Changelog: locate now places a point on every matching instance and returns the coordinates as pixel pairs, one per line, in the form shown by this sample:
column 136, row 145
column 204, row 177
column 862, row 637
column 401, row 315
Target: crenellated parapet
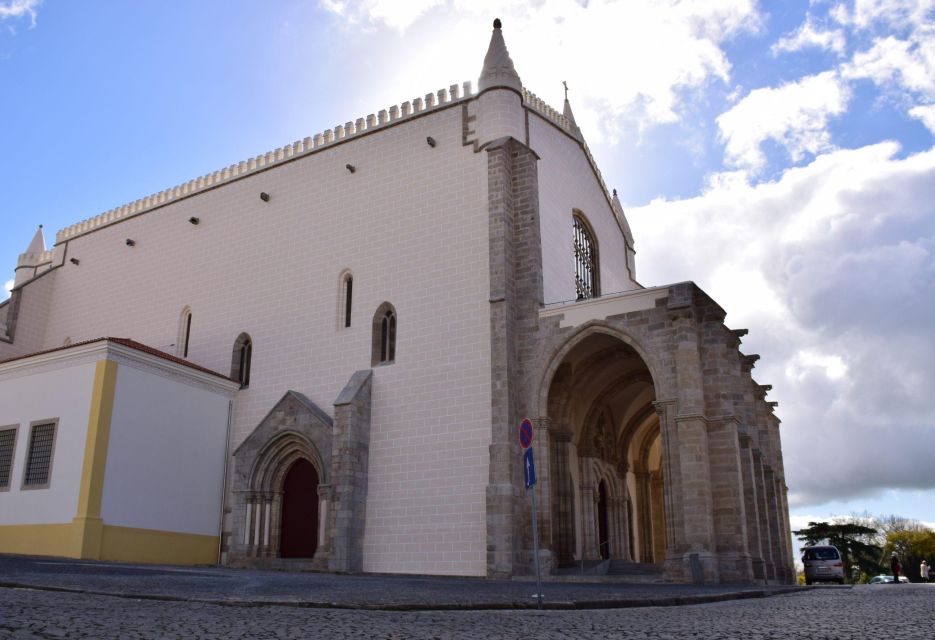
column 534, row 102
column 312, row 144
column 34, row 259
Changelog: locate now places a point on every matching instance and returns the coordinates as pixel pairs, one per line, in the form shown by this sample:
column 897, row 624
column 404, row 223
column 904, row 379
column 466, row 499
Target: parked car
column 885, row 579
column 823, row 564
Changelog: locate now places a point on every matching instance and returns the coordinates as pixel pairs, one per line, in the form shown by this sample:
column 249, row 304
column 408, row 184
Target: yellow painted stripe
column 38, row 539
column 91, row 489
column 117, row 544
column 126, row 544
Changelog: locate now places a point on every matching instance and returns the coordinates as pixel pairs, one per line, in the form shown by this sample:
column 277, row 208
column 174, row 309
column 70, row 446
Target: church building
column 320, row 357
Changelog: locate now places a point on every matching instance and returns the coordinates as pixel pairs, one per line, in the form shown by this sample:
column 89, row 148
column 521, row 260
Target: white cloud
column 794, row 115
column 628, row 63
column 7, row 288
column 396, row 14
column 867, row 14
column 902, row 55
column 808, row 36
column 832, row 267
column 11, row 9
column 926, row 114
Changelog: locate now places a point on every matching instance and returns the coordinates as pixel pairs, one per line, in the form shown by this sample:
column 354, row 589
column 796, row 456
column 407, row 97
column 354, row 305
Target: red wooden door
column 299, row 537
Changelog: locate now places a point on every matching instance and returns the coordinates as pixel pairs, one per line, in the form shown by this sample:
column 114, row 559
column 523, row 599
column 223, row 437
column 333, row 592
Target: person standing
column 924, row 571
column 895, row 567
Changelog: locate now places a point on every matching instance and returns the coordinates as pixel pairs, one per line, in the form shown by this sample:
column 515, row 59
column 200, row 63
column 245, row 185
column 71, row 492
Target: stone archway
column 606, row 485
column 285, row 454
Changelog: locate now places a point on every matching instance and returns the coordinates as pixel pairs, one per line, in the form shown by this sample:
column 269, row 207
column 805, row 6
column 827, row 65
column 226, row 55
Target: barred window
column 587, row 268
column 7, row 444
column 39, row 458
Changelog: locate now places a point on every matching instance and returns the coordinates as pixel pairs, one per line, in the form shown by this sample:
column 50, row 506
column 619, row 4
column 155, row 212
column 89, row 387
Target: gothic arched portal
column 606, row 488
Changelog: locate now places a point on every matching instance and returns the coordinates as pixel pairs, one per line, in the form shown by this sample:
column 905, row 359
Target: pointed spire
column 38, row 242
column 569, row 115
column 498, row 68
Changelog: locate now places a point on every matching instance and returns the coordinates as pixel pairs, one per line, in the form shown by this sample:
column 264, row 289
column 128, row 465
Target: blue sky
column 779, row 154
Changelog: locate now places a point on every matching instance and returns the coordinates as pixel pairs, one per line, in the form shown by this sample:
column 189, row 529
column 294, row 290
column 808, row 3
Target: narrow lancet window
column 240, row 362
column 185, row 332
column 348, row 292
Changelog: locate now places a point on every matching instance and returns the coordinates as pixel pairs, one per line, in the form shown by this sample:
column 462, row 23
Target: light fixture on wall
column 264, row 196
column 350, row 167
column 131, row 242
column 75, row 261
column 431, row 141
column 194, row 220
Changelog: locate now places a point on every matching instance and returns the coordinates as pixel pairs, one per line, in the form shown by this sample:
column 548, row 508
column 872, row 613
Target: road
column 904, row 611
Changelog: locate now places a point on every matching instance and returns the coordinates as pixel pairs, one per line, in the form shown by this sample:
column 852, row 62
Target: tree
column 854, row 541
column 911, row 547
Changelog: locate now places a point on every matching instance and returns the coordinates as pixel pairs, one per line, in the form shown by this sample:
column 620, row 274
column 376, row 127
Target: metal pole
column 535, row 546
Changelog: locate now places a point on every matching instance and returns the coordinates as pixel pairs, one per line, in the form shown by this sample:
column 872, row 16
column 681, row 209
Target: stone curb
column 622, row 603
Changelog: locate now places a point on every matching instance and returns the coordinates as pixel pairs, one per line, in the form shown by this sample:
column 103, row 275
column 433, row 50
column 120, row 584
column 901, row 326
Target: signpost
column 529, row 476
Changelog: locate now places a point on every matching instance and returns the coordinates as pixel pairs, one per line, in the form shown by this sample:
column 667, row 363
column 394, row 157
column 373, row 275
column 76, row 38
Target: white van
column 823, row 563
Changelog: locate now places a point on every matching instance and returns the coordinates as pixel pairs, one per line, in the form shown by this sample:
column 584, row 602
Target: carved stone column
column 562, row 500
column 541, row 445
column 588, row 510
column 751, row 508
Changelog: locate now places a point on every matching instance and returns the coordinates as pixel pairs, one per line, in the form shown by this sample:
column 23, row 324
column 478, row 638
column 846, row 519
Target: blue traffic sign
column 525, row 433
column 529, row 468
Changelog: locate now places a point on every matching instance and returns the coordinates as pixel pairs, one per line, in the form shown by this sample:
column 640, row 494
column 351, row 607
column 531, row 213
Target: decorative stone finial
column 566, row 111
column 498, row 68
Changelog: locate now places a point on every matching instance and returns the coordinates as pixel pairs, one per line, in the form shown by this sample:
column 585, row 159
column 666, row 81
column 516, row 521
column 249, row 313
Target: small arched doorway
column 299, row 532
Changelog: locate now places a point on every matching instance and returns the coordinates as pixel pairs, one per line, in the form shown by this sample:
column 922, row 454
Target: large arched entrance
column 606, row 465
column 299, row 532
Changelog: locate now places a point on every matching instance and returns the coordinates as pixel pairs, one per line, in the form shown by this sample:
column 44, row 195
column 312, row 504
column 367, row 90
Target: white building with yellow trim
column 383, row 302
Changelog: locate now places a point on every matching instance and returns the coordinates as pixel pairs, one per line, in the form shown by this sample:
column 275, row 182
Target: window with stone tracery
column 384, row 335
column 587, row 268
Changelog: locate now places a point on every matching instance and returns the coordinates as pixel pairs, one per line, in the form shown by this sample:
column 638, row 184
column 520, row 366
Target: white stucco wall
column 165, row 459
column 46, row 393
column 567, row 182
column 412, row 225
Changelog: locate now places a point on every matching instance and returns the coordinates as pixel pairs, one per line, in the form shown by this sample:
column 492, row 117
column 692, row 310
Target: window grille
column 7, row 440
column 39, row 460
column 586, row 266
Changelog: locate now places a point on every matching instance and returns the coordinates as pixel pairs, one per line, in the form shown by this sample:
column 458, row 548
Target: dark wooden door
column 299, row 537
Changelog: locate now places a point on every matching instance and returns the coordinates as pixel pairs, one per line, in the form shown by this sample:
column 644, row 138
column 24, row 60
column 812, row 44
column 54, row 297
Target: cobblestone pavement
column 219, row 584
column 865, row 611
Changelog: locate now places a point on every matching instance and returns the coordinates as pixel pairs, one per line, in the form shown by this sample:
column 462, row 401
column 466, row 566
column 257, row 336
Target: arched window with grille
column 384, row 335
column 240, row 359
column 587, row 266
